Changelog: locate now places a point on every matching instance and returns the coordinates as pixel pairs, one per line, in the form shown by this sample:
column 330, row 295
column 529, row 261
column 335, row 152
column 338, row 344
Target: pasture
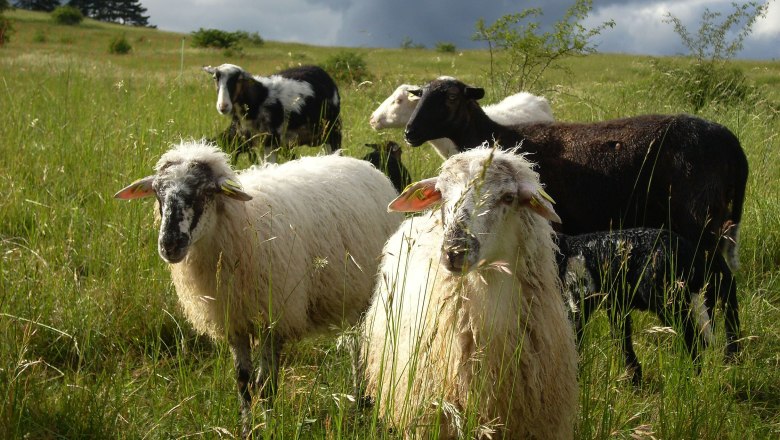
column 93, row 344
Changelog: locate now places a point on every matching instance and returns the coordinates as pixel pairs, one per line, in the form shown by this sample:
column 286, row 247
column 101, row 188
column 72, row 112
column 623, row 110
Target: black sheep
column 387, row 158
column 652, row 270
column 671, row 171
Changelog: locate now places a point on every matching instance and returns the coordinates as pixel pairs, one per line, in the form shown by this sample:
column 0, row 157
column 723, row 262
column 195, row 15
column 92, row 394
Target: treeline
column 129, row 12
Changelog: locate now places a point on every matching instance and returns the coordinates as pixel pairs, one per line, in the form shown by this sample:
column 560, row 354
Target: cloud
column 639, row 27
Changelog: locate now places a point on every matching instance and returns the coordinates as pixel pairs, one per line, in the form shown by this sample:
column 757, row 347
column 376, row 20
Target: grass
column 92, row 343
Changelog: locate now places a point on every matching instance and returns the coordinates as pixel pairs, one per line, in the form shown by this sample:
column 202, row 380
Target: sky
column 639, row 26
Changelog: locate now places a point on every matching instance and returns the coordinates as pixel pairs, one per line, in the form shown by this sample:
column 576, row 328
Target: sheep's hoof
column 365, row 402
column 732, row 352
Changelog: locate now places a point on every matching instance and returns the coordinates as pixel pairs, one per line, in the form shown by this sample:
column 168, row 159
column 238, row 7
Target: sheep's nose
column 454, row 259
column 373, row 122
column 223, row 108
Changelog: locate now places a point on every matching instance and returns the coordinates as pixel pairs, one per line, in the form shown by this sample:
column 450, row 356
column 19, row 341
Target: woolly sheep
column 647, row 269
column 395, row 111
column 298, row 105
column 311, row 230
column 663, row 171
column 468, row 314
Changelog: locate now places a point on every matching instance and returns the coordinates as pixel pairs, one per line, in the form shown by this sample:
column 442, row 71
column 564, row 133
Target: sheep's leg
column 731, row 315
column 351, row 339
column 681, row 318
column 268, row 367
column 621, row 328
column 242, row 359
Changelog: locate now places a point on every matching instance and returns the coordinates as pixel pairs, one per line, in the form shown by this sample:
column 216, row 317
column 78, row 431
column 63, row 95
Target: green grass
column 93, row 344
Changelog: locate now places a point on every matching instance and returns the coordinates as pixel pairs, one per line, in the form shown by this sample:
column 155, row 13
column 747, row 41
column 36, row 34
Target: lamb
column 387, row 157
column 673, row 171
column 647, row 269
column 299, row 105
column 278, row 251
column 467, row 314
column 395, row 111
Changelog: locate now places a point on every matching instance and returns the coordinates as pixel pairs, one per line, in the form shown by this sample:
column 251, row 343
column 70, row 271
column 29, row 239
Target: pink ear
column 136, row 190
column 539, row 201
column 416, row 197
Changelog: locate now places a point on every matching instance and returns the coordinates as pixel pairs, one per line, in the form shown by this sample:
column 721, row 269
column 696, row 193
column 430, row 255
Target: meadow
column 93, row 344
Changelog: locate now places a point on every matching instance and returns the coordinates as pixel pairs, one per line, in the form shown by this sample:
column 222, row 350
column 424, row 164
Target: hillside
column 93, row 344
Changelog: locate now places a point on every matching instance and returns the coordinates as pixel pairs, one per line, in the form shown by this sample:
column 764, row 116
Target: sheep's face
column 488, row 200
column 442, row 108
column 187, row 198
column 227, row 78
column 395, row 111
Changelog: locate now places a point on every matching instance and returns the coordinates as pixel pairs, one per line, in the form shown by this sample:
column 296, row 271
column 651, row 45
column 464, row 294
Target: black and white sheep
column 396, row 109
column 651, row 270
column 387, row 157
column 467, row 316
column 300, row 106
column 675, row 171
column 279, row 252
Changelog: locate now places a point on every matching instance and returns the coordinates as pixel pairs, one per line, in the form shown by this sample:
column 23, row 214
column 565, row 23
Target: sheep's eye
column 508, row 198
column 452, row 96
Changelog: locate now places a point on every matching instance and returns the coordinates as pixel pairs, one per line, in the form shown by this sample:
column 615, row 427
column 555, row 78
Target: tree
column 5, row 24
column 129, row 12
column 520, row 53
column 709, row 79
column 37, row 5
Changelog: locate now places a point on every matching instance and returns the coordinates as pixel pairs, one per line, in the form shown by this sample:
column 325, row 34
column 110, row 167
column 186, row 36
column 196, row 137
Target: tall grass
column 92, row 343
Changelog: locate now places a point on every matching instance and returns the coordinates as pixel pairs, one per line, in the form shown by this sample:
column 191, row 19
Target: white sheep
column 277, row 251
column 396, row 110
column 467, row 315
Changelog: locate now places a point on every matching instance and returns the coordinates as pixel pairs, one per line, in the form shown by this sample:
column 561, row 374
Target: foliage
column 445, row 47
column 520, row 52
column 708, row 78
column 408, row 43
column 347, row 67
column 5, row 24
column 40, row 36
column 220, row 39
column 37, row 5
column 119, row 45
column 129, row 12
column 67, row 15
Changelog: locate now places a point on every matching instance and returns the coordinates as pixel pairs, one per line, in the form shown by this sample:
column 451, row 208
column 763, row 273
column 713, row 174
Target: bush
column 408, row 43
column 213, row 38
column 40, row 36
column 347, row 67
column 67, row 15
column 218, row 39
column 119, row 45
column 5, row 30
column 701, row 83
column 445, row 47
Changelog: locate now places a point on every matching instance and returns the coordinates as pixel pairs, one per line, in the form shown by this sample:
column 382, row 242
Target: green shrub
column 40, row 36
column 5, row 30
column 347, row 66
column 67, row 15
column 408, row 43
column 252, row 39
column 445, row 47
column 119, row 46
column 213, row 38
column 701, row 83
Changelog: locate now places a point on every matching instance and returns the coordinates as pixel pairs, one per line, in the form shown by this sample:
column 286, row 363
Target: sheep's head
column 228, row 79
column 489, row 200
column 395, row 111
column 188, row 183
column 443, row 106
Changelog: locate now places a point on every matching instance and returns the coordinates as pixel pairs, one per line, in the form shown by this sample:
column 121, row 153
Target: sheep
column 646, row 269
column 674, row 171
column 387, row 157
column 467, row 313
column 279, row 251
column 299, row 105
column 395, row 111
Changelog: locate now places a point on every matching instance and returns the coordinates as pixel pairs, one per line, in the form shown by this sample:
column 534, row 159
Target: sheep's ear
column 136, row 190
column 232, row 189
column 416, row 197
column 474, row 93
column 210, row 70
column 539, row 201
column 414, row 94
